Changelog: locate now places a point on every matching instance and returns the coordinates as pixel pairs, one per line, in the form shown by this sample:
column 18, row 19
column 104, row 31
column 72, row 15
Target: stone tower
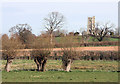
column 91, row 24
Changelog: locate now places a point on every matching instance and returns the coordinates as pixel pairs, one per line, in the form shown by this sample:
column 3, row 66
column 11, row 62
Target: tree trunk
column 51, row 38
column 38, row 64
column 8, row 64
column 43, row 65
column 67, row 65
column 38, row 67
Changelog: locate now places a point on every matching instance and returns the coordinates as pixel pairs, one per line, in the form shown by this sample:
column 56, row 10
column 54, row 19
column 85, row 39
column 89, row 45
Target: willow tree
column 55, row 20
column 10, row 48
column 42, row 49
column 69, row 51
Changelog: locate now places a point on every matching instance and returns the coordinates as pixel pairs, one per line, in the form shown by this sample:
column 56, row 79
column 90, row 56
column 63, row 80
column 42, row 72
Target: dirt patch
column 108, row 48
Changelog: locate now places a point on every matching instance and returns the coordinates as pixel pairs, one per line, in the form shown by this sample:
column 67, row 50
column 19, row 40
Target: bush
column 89, row 55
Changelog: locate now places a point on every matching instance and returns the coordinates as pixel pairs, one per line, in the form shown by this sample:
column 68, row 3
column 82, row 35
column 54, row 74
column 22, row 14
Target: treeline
column 28, row 43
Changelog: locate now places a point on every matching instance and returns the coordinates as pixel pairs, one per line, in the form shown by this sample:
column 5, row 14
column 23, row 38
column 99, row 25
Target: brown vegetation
column 43, row 48
column 10, row 45
column 68, row 51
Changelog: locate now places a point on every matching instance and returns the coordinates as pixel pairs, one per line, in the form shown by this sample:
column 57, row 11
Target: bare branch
column 54, row 21
column 101, row 30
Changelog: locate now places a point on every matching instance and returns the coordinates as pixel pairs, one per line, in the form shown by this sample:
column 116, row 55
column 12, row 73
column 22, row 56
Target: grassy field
column 59, row 76
column 81, row 71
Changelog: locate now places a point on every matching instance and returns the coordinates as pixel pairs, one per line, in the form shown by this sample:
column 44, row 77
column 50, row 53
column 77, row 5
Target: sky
column 76, row 14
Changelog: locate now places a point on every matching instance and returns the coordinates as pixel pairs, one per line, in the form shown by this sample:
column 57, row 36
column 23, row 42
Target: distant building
column 91, row 24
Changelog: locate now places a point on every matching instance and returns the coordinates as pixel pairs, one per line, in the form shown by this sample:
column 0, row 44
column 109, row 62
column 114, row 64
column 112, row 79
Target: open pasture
column 81, row 71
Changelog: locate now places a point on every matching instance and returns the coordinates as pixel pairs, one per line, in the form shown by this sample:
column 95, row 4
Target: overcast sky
column 76, row 14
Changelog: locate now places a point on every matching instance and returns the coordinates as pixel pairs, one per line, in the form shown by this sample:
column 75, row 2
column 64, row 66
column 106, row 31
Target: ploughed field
column 98, row 48
column 102, row 48
column 81, row 71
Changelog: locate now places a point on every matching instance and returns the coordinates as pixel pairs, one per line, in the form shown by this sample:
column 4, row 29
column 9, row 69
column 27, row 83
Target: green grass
column 79, row 38
column 81, row 65
column 105, row 39
column 81, row 71
column 113, row 39
column 59, row 76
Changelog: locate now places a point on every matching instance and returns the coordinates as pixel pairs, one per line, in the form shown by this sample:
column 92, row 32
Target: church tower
column 91, row 24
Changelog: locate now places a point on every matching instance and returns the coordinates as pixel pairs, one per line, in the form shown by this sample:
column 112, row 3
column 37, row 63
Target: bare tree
column 9, row 49
column 23, row 31
column 55, row 20
column 101, row 31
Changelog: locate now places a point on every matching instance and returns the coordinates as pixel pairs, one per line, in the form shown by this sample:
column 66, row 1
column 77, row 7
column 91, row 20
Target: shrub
column 88, row 55
column 100, row 55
